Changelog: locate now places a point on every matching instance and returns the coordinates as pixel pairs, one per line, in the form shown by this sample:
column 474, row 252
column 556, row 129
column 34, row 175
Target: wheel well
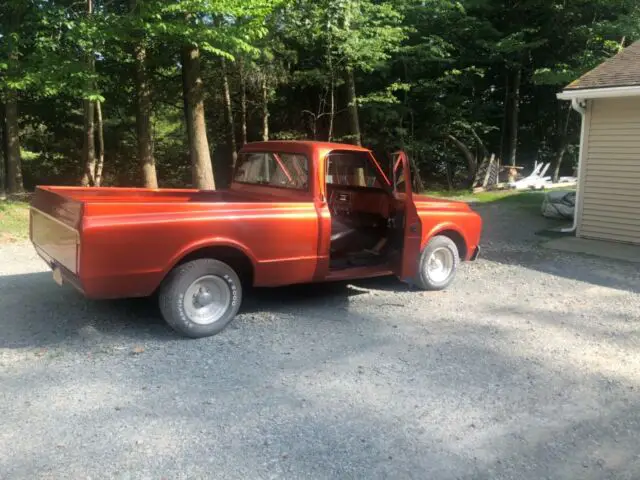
column 458, row 240
column 233, row 257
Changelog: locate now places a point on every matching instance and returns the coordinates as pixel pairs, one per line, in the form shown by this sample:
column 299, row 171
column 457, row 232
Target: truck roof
column 302, row 144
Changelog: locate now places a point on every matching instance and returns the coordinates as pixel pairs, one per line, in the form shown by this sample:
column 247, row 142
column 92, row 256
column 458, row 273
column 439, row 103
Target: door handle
column 413, row 228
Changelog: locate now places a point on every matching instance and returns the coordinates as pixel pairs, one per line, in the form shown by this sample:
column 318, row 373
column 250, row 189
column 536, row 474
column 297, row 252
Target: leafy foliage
column 425, row 72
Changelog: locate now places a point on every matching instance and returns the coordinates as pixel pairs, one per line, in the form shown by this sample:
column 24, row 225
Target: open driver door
column 406, row 263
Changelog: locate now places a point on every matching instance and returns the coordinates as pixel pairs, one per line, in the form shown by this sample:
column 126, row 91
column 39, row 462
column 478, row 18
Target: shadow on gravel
column 38, row 313
column 604, row 273
column 387, row 284
column 610, row 327
column 333, row 294
column 463, row 405
column 511, row 237
column 281, row 299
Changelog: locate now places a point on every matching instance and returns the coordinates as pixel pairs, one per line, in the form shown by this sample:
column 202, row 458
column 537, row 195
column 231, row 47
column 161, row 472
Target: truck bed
column 120, row 242
column 57, row 213
column 137, row 195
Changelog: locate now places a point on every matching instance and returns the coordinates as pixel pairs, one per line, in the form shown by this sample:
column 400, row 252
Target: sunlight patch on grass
column 526, row 199
column 483, row 197
column 14, row 221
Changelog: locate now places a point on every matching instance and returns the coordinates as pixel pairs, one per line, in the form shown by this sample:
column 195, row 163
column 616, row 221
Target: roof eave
column 607, row 92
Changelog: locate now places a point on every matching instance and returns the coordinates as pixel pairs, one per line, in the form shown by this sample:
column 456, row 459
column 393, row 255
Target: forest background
column 163, row 93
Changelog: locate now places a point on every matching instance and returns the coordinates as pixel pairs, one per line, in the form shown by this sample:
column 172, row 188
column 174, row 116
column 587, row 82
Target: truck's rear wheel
column 438, row 264
column 199, row 298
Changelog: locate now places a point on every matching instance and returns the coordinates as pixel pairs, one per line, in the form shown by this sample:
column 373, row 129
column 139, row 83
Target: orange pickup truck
column 295, row 212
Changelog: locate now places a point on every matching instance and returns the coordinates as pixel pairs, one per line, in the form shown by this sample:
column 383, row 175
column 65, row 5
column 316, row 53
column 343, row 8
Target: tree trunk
column 3, row 156
column 265, row 110
column 201, row 168
column 314, row 120
column 243, row 101
column 332, row 108
column 89, row 145
column 332, row 88
column 12, row 127
column 352, row 107
column 418, row 184
column 483, row 148
column 229, row 111
column 405, row 108
column 564, row 142
column 515, row 108
column 472, row 164
column 100, row 129
column 504, row 137
column 143, row 119
column 449, row 180
column 12, row 131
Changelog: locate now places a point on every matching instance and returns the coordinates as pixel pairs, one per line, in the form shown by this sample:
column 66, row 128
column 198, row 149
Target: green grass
column 526, row 198
column 14, row 221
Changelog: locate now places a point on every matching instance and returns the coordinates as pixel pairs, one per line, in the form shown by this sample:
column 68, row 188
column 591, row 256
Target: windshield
column 351, row 169
column 284, row 170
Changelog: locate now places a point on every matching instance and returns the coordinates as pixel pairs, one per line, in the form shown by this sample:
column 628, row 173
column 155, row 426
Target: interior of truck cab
column 365, row 218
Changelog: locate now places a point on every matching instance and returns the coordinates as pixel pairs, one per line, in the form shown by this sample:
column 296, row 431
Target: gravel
column 527, row 367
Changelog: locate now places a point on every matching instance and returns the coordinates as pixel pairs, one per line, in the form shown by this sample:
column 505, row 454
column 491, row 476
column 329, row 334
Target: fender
column 206, row 243
column 441, row 227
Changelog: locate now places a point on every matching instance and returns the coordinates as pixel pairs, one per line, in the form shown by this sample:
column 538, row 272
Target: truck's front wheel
column 437, row 264
column 199, row 298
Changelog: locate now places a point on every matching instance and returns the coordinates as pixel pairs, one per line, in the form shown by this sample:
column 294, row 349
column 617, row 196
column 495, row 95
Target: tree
column 229, row 114
column 168, row 82
column 144, row 134
column 243, row 100
column 3, row 175
column 580, row 35
column 198, row 27
column 89, row 147
column 262, row 70
column 12, row 18
column 202, row 169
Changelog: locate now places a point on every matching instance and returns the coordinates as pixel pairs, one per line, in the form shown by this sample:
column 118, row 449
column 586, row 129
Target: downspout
column 579, row 106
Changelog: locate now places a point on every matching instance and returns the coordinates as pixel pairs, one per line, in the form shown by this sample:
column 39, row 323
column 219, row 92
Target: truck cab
column 359, row 214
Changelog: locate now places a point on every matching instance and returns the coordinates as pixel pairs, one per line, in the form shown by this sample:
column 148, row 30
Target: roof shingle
column 621, row 70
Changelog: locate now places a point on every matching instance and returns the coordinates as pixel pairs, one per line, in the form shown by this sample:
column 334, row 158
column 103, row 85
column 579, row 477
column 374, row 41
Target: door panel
column 406, row 266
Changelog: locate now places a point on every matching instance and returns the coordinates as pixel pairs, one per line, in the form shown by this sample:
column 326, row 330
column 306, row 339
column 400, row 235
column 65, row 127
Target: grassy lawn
column 485, row 197
column 14, row 221
column 526, row 199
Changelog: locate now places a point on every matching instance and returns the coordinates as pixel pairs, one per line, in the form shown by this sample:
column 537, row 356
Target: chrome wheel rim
column 207, row 299
column 440, row 264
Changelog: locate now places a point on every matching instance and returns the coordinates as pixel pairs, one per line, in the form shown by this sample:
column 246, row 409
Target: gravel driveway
column 527, row 367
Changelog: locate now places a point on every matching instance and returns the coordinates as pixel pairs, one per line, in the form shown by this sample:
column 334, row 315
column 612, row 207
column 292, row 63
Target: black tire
column 182, row 278
column 443, row 244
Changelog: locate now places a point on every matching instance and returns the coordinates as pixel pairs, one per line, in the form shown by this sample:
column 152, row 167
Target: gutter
column 602, row 92
column 579, row 105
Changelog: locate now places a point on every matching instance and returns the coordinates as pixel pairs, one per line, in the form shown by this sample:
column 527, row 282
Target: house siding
column 609, row 198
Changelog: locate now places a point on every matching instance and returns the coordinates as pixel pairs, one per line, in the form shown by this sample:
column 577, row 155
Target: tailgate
column 55, row 221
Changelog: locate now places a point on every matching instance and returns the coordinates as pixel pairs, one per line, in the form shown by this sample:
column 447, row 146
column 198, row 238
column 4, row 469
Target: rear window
column 284, row 170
